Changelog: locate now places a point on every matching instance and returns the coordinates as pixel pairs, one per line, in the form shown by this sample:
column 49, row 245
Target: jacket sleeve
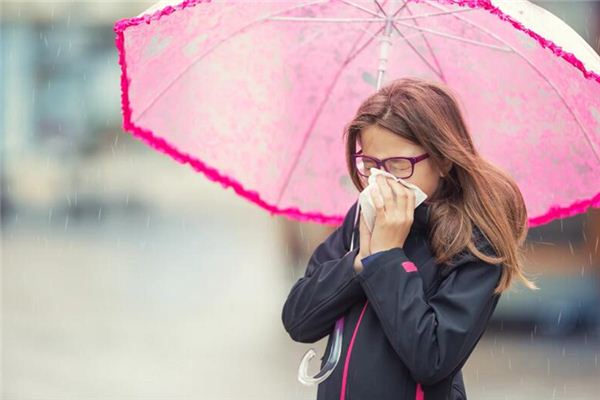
column 328, row 288
column 433, row 337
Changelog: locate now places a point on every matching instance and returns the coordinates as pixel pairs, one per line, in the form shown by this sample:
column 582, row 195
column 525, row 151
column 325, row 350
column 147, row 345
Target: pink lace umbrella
column 255, row 95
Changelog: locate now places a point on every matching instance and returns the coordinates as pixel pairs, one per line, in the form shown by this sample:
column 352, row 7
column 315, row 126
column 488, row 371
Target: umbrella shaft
column 385, row 42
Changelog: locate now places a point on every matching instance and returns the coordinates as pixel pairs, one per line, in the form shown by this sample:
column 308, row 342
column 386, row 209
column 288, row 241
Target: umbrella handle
column 336, row 344
column 330, row 364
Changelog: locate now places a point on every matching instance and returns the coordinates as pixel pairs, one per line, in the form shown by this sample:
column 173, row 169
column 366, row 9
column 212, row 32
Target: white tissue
column 366, row 203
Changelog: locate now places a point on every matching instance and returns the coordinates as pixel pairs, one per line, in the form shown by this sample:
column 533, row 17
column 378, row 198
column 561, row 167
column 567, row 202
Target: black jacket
column 410, row 324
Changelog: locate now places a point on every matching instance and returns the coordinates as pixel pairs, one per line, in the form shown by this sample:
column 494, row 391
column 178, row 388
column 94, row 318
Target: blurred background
column 126, row 275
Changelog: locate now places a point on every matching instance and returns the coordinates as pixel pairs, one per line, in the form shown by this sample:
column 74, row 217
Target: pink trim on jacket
column 345, row 374
column 419, row 395
column 409, row 266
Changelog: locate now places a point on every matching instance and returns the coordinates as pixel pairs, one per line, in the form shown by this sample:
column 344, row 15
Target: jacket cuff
column 370, row 257
column 394, row 256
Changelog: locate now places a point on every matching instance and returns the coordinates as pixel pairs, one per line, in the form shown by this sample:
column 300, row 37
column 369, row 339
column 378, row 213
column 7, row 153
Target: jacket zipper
column 419, row 395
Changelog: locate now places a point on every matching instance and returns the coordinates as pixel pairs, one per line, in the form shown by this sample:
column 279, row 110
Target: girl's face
column 379, row 142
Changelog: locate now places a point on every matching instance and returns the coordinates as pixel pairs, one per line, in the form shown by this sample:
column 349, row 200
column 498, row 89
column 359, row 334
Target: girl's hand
column 364, row 244
column 394, row 206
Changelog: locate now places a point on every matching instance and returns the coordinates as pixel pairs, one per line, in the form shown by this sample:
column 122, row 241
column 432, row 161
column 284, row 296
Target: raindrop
column 571, row 248
column 58, row 51
column 559, row 317
column 148, row 222
column 561, row 225
column 99, row 213
column 66, row 222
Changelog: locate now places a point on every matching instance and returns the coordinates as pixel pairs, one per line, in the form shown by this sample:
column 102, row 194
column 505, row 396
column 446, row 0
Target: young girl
column 417, row 292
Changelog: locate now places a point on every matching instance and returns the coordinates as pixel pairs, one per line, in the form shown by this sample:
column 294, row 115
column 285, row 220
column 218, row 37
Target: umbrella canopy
column 256, row 94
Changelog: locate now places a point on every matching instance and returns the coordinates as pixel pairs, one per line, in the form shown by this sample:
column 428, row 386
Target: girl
column 417, row 292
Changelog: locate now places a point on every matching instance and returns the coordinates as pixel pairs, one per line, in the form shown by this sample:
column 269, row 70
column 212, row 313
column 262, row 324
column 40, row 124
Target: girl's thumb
column 364, row 236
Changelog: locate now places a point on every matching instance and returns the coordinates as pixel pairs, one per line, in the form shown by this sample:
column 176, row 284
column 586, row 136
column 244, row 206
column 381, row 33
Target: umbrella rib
column 312, row 19
column 450, row 36
column 434, row 14
column 349, row 58
column 421, row 56
column 381, row 8
column 362, row 8
column 536, row 69
column 429, row 47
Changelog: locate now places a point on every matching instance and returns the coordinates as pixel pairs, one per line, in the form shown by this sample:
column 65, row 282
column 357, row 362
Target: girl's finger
column 377, row 200
column 406, row 193
column 399, row 193
column 386, row 194
column 364, row 237
column 362, row 226
column 410, row 204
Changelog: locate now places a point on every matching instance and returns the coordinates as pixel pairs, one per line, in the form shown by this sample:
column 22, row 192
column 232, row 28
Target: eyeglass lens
column 400, row 168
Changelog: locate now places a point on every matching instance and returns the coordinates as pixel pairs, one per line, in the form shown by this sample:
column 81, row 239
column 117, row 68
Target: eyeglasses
column 400, row 167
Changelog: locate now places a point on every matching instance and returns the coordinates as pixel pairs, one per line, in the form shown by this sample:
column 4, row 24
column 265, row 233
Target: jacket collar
column 421, row 217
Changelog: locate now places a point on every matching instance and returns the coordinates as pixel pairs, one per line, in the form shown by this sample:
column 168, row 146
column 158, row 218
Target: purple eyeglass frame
column 381, row 163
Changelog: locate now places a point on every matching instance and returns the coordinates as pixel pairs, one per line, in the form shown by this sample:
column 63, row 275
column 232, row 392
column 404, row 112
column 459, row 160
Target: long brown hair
column 473, row 193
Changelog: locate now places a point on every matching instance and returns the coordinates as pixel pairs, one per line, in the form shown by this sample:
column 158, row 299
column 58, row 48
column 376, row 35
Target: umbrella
column 255, row 95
